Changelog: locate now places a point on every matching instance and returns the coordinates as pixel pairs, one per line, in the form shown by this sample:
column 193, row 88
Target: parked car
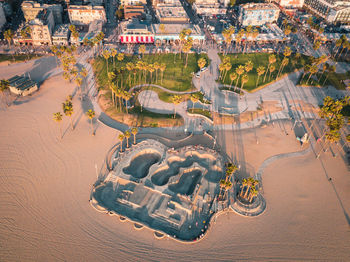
column 198, row 74
column 204, row 69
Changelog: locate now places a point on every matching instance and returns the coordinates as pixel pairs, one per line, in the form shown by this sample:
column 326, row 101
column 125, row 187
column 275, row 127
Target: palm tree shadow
column 336, row 193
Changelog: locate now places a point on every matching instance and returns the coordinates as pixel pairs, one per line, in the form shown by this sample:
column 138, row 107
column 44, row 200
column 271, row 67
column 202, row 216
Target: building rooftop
column 172, row 12
column 259, row 6
column 41, row 18
column 175, row 29
column 61, row 30
column 85, row 7
column 21, row 82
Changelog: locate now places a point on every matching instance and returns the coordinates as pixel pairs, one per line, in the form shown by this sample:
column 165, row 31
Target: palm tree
column 106, row 54
column 114, row 52
column 260, row 71
column 313, row 70
column 248, row 66
column 331, row 69
column 253, row 193
column 91, row 114
column 194, row 99
column 57, row 117
column 129, row 67
column 244, row 80
column 284, row 62
column 239, row 71
column 162, row 69
column 68, row 110
column 126, row 97
column 121, row 138
column 120, row 57
column 134, row 131
column 272, row 60
column 233, row 76
column 127, row 135
column 221, row 69
column 4, row 87
column 325, row 66
column 150, row 69
column 142, row 50
column 243, row 186
column 176, row 100
column 187, row 48
column 250, row 183
column 8, row 35
column 228, row 67
column 156, row 67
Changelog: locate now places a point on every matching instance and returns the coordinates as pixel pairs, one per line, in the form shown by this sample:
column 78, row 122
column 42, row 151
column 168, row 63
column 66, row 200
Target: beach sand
column 45, row 185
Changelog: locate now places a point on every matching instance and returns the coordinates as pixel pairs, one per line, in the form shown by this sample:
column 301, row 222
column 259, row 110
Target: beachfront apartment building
column 31, row 9
column 257, row 14
column 42, row 27
column 131, row 11
column 290, row 3
column 331, row 11
column 133, row 2
column 84, row 15
column 60, row 35
column 209, row 8
column 171, row 11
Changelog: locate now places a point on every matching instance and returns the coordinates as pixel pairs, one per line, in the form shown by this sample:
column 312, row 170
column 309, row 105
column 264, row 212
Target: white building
column 332, row 11
column 84, row 15
column 60, row 35
column 290, row 3
column 256, row 14
column 21, row 85
column 42, row 27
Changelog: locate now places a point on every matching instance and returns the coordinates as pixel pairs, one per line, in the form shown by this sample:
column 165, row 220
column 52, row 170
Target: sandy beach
column 45, row 185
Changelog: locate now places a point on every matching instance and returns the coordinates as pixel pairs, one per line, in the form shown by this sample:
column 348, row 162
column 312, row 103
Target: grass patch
column 176, row 77
column 261, row 59
column 332, row 79
column 200, row 111
column 138, row 117
column 18, row 58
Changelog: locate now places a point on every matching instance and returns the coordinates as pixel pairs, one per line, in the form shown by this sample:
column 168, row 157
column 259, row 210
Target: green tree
column 57, row 117
column 134, row 131
column 68, row 110
column 239, row 71
column 91, row 114
column 176, row 100
column 106, row 54
column 121, row 138
column 127, row 135
column 260, row 71
column 233, row 77
column 244, row 80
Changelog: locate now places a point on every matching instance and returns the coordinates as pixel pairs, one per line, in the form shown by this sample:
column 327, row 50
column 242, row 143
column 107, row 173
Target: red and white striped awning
column 126, row 39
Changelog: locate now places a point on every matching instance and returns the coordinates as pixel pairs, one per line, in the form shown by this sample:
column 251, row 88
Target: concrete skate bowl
column 140, row 164
column 171, row 191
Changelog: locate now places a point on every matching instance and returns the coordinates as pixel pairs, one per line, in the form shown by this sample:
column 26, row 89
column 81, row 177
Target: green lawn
column 18, row 58
column 176, row 76
column 333, row 79
column 260, row 59
column 202, row 112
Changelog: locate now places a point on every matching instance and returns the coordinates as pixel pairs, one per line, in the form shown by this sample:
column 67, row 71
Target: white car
column 198, row 74
column 204, row 69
